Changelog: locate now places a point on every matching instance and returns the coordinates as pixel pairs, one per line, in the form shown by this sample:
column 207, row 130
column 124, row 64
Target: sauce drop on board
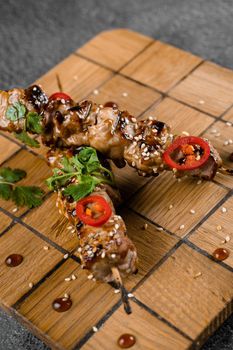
column 111, row 104
column 221, row 254
column 62, row 304
column 126, row 341
column 14, row 260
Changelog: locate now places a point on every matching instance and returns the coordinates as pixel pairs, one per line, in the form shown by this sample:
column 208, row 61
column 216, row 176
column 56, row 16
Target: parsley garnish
column 26, row 139
column 16, row 111
column 86, row 169
column 30, row 196
column 33, row 123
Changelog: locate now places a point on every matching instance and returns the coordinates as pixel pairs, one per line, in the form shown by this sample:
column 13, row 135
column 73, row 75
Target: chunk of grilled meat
column 114, row 133
column 104, row 247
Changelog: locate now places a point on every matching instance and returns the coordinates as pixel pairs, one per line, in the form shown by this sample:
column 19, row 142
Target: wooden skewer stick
column 124, row 293
column 59, row 83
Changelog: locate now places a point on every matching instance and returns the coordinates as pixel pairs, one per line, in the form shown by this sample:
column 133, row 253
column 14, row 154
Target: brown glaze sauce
column 126, row 341
column 221, row 254
column 14, row 260
column 231, row 157
column 111, row 104
column 62, row 304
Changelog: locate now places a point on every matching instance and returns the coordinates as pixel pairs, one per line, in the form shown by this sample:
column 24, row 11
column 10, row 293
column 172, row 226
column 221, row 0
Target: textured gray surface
column 35, row 35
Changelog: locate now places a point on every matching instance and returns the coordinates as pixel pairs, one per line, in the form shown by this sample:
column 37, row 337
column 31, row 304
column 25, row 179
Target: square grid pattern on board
column 181, row 295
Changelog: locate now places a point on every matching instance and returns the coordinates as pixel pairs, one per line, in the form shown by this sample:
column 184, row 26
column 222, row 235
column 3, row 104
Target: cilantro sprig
column 85, row 169
column 30, row 196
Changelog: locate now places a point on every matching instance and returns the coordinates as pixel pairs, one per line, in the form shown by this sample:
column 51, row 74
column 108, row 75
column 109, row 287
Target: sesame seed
column 15, row 210
column 213, row 131
column 116, row 291
column 170, row 206
column 185, row 133
column 125, row 94
column 199, row 182
column 46, row 247
column 73, row 231
column 96, row 92
column 230, row 141
column 117, row 226
column 134, row 120
column 73, row 277
column 95, row 329
column 75, row 77
column 228, row 238
column 133, row 164
column 219, row 228
column 79, row 250
column 197, row 275
column 69, row 227
column 30, row 285
column 224, row 210
column 218, row 134
column 113, row 256
column 66, row 296
column 150, row 117
column 90, row 277
column 145, row 226
column 225, row 143
column 181, row 227
column 103, row 255
column 67, row 279
column 228, row 123
column 179, row 180
column 192, row 211
column 159, row 228
column 130, row 295
column 66, row 256
column 201, row 102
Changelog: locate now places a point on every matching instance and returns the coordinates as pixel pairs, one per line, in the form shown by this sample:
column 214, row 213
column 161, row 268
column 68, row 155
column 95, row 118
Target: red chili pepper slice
column 185, row 145
column 93, row 210
column 60, row 96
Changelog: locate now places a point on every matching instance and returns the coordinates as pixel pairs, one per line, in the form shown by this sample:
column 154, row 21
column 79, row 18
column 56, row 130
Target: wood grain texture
column 4, row 222
column 56, row 227
column 78, row 77
column 209, row 88
column 14, row 281
column 90, row 300
column 154, row 334
column 9, row 148
column 179, row 117
column 229, row 116
column 37, row 171
column 115, row 48
column 209, row 237
column 189, row 303
column 138, row 98
column 154, row 199
column 161, row 66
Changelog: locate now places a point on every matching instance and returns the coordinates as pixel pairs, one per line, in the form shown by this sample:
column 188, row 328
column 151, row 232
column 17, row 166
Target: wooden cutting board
column 181, row 295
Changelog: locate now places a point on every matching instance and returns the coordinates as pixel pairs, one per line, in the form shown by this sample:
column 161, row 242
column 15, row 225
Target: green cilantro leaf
column 82, row 189
column 27, row 140
column 33, row 123
column 16, row 111
column 30, row 196
column 11, row 175
column 5, row 191
column 87, row 171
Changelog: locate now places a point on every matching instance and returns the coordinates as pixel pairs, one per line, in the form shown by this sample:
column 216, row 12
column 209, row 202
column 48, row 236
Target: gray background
column 35, row 35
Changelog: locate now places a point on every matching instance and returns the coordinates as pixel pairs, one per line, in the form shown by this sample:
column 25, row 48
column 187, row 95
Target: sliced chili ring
column 88, row 207
column 183, row 144
column 60, row 96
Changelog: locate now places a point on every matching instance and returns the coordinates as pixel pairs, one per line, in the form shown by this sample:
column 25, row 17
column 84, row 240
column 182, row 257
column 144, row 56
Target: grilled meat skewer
column 116, row 134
